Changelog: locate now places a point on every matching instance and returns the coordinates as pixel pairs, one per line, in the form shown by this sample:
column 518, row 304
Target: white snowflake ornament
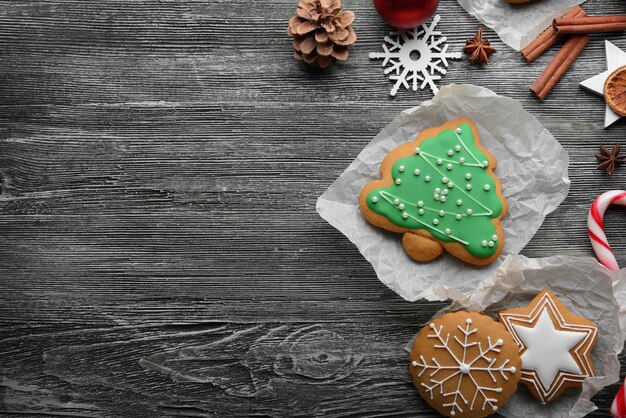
column 417, row 56
column 465, row 365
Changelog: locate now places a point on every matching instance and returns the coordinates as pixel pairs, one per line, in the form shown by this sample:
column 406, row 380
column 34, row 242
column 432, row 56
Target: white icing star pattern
column 464, row 369
column 546, row 341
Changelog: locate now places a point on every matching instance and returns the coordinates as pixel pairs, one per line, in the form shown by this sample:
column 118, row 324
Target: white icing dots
column 487, row 187
column 469, row 212
column 499, row 342
column 450, row 152
column 484, row 243
column 457, row 148
column 439, row 161
column 405, row 215
column 401, row 206
column 486, row 163
column 437, row 190
column 442, row 199
column 445, row 192
column 494, row 237
column 459, row 202
column 442, row 212
column 414, row 363
column 468, row 186
column 468, row 320
column 421, row 211
column 416, row 171
column 445, row 180
column 447, row 231
column 420, row 203
column 462, row 160
column 398, row 182
column 468, row 176
column 513, row 369
column 432, row 325
column 374, row 199
column 449, row 167
column 450, row 184
column 464, row 368
column 491, row 244
column 401, row 169
column 418, row 151
column 427, row 179
column 435, row 221
column 436, row 197
column 396, row 201
column 459, row 130
column 458, row 216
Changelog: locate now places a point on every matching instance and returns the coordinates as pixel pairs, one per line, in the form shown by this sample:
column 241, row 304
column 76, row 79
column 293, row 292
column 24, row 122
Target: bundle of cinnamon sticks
column 574, row 26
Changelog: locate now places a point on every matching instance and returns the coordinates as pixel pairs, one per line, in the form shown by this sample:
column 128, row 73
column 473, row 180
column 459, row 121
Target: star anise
column 609, row 159
column 478, row 48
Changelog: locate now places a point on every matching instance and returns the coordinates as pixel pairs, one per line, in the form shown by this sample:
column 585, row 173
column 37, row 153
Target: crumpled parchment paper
column 517, row 25
column 532, row 167
column 588, row 289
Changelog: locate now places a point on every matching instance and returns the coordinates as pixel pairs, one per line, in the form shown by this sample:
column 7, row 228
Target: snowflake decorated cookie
column 441, row 193
column 465, row 364
column 555, row 345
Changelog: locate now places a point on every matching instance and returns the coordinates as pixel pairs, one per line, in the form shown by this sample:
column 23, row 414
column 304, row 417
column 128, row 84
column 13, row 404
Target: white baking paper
column 532, row 167
column 517, row 25
column 588, row 289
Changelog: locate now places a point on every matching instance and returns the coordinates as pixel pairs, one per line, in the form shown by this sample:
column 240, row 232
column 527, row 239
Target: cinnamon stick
column 548, row 37
column 589, row 24
column 559, row 65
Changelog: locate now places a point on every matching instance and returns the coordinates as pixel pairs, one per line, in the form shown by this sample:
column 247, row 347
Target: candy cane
column 595, row 226
column 618, row 409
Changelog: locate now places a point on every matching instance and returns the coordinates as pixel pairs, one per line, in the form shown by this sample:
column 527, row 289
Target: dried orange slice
column 615, row 91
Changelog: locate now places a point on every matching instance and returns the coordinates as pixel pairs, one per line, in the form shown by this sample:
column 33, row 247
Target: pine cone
column 321, row 32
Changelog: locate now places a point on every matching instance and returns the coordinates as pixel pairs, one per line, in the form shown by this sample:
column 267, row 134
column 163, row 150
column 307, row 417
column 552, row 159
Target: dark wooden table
column 160, row 253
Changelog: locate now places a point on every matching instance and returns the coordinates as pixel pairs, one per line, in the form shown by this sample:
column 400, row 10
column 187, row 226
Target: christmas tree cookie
column 440, row 192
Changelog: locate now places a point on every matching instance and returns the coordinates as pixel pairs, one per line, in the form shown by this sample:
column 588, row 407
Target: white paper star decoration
column 615, row 58
column 555, row 345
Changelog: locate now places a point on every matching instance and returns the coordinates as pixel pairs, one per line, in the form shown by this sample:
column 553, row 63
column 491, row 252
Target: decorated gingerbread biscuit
column 440, row 192
column 554, row 343
column 465, row 364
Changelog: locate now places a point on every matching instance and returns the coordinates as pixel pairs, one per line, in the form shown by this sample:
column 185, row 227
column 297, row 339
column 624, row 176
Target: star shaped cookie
column 555, row 345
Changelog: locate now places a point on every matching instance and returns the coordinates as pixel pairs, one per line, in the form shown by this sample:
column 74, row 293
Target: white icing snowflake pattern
column 464, row 368
column 415, row 55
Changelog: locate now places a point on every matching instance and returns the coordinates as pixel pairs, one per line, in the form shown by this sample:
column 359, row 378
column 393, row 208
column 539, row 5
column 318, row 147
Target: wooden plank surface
column 160, row 253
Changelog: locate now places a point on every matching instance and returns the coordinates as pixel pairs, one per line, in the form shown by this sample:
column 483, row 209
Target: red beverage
column 406, row 14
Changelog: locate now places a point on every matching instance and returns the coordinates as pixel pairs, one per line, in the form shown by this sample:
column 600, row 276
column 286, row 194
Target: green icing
column 445, row 189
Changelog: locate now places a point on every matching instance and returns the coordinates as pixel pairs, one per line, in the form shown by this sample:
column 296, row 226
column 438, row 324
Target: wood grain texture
column 160, row 253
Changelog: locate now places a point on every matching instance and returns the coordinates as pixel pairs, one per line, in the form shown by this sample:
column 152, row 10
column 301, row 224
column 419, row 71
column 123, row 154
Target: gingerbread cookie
column 440, row 192
column 465, row 364
column 554, row 343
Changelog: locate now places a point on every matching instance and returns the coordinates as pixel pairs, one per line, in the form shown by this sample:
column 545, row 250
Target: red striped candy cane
column 595, row 226
column 618, row 409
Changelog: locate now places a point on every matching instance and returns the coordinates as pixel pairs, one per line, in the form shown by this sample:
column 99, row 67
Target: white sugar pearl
column 447, row 231
column 468, row 186
column 445, row 180
column 457, row 148
column 468, row 321
column 458, row 130
column 405, row 215
column 421, row 211
column 487, row 187
column 459, row 202
column 401, row 206
column 458, row 216
column 439, row 161
column 445, row 191
column 374, row 199
column 398, row 181
column 442, row 199
column 432, row 325
column 427, row 179
column 513, row 369
column 450, row 184
column 499, row 342
column 468, row 176
column 486, row 163
column 491, row 243
column 462, row 160
column 437, row 190
column 416, row 171
column 450, row 152
column 401, row 169
column 436, row 197
column 436, row 221
column 484, row 243
column 442, row 212
column 418, row 150
column 420, row 203
column 396, row 202
column 469, row 211
column 449, row 167
column 494, row 237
